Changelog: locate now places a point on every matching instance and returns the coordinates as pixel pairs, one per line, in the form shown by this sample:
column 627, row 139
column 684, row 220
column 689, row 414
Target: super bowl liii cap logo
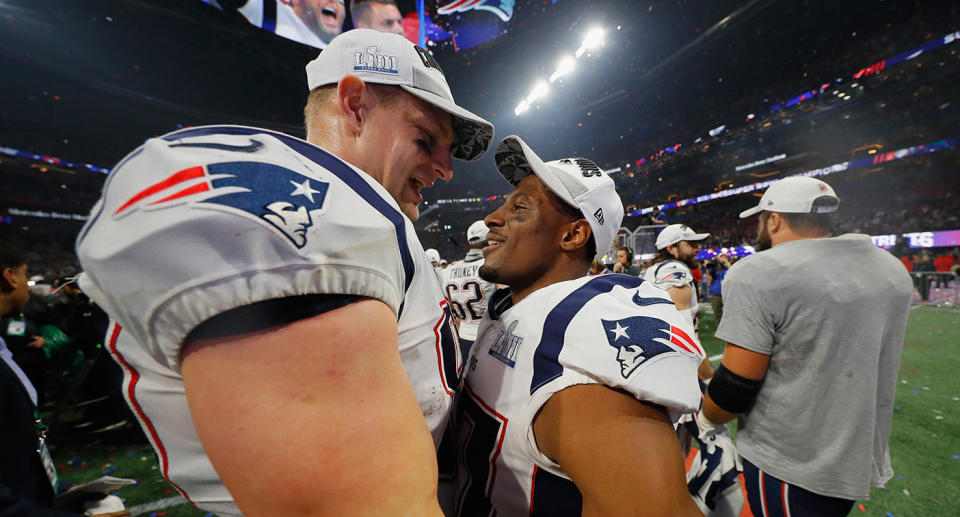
column 370, row 60
column 277, row 197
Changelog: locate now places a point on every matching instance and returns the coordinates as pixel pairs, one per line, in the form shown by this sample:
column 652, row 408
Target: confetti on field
column 899, row 476
column 862, row 508
column 925, row 388
column 143, row 458
column 890, row 515
column 914, row 392
column 914, row 372
column 906, row 492
column 938, row 417
column 956, row 457
column 956, row 398
column 903, row 381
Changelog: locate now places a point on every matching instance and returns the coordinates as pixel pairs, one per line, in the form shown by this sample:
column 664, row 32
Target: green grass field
column 925, row 440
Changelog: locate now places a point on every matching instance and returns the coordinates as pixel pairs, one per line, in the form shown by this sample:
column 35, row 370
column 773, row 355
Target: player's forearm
column 715, row 413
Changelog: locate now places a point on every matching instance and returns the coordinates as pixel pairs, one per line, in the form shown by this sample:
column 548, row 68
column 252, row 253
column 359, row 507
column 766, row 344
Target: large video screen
column 456, row 24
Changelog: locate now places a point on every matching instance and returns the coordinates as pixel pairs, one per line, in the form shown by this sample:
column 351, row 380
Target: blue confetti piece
column 109, row 470
column 131, row 453
column 897, row 408
column 208, row 515
column 899, row 476
column 956, row 457
column 890, row 515
column 154, row 514
column 913, row 391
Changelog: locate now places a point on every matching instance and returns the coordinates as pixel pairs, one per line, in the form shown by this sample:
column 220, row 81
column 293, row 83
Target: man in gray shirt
column 814, row 327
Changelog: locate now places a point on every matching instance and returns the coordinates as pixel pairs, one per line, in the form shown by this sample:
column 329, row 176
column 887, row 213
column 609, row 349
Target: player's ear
column 775, row 222
column 575, row 235
column 353, row 99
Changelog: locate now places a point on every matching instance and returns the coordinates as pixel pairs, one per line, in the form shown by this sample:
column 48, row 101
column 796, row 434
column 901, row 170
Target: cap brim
column 698, row 237
column 472, row 134
column 515, row 161
column 750, row 211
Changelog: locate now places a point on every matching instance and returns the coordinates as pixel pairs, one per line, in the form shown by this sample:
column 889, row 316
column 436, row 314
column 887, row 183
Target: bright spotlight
column 594, row 38
column 539, row 91
column 521, row 108
column 564, row 67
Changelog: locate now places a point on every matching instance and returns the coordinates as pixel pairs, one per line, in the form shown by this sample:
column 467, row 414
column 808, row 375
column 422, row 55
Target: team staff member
column 279, row 317
column 814, row 327
column 624, row 263
column 575, row 381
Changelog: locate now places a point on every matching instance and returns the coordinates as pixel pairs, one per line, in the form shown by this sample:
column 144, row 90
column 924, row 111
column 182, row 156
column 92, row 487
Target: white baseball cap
column 385, row 58
column 577, row 181
column 675, row 233
column 477, row 232
column 433, row 255
column 797, row 195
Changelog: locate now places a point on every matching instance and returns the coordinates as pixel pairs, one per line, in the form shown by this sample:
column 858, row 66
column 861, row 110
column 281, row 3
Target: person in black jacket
column 28, row 479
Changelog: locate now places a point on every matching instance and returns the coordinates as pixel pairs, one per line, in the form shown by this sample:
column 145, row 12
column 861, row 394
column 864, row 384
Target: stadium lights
column 564, row 67
column 594, row 38
column 539, row 91
column 521, row 108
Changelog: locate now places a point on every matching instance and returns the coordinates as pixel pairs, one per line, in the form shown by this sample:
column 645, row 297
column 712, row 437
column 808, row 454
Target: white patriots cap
column 797, row 195
column 678, row 232
column 433, row 255
column 577, row 181
column 385, row 58
column 477, row 232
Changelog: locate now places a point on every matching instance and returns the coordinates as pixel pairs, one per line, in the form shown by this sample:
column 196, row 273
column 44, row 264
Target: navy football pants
column 771, row 497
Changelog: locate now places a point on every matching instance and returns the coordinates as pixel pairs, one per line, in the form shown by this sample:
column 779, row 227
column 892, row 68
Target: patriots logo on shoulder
column 641, row 338
column 277, row 196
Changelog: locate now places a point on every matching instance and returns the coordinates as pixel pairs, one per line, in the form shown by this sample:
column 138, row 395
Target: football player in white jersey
column 713, row 475
column 286, row 345
column 467, row 292
column 574, row 382
column 677, row 247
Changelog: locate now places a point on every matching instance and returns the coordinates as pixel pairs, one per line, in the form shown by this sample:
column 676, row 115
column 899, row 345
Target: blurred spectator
column 942, row 264
column 715, row 281
column 624, row 263
column 922, row 277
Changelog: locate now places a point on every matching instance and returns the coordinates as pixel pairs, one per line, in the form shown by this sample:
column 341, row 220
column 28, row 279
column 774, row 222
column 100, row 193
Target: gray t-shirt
column 831, row 313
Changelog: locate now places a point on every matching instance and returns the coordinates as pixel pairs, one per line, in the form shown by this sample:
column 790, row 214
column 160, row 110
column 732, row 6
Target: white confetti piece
column 906, row 492
column 925, row 388
column 938, row 417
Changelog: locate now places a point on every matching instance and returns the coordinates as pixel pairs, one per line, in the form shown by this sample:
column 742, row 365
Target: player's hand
column 707, row 428
column 38, row 342
column 618, row 267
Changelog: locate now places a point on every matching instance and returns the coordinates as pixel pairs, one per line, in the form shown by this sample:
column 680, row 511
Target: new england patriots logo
column 275, row 195
column 641, row 338
column 502, row 8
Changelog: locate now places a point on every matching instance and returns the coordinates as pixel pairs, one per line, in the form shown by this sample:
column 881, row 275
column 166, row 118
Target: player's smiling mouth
column 329, row 12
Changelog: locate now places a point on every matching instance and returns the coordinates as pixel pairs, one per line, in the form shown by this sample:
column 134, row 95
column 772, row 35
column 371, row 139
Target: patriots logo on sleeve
column 641, row 338
column 278, row 197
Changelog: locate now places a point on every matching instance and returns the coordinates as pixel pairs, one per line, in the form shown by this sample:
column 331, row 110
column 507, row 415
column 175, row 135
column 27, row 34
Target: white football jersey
column 467, row 292
column 205, row 220
column 673, row 273
column 615, row 330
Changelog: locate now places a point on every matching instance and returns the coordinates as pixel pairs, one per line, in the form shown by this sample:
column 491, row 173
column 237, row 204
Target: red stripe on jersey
column 178, row 177
column 689, row 341
column 196, row 189
column 131, row 381
column 533, row 486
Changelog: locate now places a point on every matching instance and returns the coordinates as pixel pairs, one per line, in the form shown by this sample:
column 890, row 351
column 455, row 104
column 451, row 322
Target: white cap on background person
column 385, row 58
column 675, row 233
column 477, row 232
column 797, row 195
column 434, row 256
column 579, row 182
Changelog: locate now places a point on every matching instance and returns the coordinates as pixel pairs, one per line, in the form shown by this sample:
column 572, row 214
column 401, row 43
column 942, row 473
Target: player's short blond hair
column 322, row 95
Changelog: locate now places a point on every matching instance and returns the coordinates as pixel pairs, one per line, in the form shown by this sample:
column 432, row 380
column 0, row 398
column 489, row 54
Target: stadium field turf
column 925, row 439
